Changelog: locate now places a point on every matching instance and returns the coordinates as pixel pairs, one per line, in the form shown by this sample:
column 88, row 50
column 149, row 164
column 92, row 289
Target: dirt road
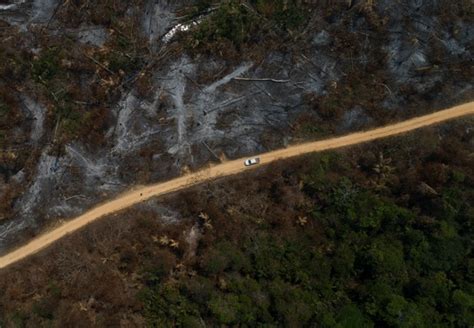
column 225, row 169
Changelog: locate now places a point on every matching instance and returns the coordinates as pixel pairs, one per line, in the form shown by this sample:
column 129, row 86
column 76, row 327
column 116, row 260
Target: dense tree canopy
column 365, row 256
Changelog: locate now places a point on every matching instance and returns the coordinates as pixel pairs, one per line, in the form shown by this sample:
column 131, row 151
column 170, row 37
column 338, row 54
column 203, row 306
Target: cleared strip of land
column 225, row 169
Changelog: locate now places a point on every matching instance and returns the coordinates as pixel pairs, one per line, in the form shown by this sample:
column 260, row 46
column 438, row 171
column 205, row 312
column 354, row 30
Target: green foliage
column 155, row 275
column 46, row 67
column 67, row 113
column 311, row 131
column 46, row 306
column 375, row 261
column 231, row 21
column 285, row 14
column 225, row 308
column 452, row 202
column 458, row 176
column 352, row 317
column 201, row 6
column 225, row 256
column 119, row 61
column 317, row 180
column 18, row 319
column 401, row 313
column 463, row 299
column 464, row 305
column 278, row 276
column 4, row 110
column 165, row 306
column 242, row 24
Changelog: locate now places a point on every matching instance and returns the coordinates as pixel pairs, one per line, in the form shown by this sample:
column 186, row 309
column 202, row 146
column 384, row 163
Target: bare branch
column 260, row 80
column 211, row 151
column 99, row 64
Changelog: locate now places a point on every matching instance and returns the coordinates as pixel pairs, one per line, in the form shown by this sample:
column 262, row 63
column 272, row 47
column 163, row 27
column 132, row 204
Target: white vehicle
column 252, row 161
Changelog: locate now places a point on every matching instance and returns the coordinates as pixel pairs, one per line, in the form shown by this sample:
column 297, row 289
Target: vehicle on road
column 252, row 161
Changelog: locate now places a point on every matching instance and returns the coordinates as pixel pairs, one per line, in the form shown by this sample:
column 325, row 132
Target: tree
column 351, row 317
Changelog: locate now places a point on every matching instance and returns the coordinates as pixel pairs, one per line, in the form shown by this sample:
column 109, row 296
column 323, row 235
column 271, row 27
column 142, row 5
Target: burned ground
column 93, row 101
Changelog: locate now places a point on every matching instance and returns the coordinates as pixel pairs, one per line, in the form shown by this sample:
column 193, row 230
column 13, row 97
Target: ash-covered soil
column 93, row 105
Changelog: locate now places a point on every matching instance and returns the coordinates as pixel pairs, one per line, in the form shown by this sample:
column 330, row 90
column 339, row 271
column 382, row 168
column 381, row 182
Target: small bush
column 46, row 66
column 231, row 21
column 285, row 14
column 4, row 109
column 238, row 24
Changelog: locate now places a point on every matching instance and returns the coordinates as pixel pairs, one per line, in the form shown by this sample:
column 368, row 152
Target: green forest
column 394, row 252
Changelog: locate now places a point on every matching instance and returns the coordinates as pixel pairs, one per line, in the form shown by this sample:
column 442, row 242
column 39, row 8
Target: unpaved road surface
column 225, row 169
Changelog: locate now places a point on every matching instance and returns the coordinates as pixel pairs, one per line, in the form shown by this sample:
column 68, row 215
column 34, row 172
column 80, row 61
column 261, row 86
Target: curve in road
column 226, row 169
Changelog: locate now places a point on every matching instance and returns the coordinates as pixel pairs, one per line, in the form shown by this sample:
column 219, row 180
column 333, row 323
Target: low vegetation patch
column 236, row 26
